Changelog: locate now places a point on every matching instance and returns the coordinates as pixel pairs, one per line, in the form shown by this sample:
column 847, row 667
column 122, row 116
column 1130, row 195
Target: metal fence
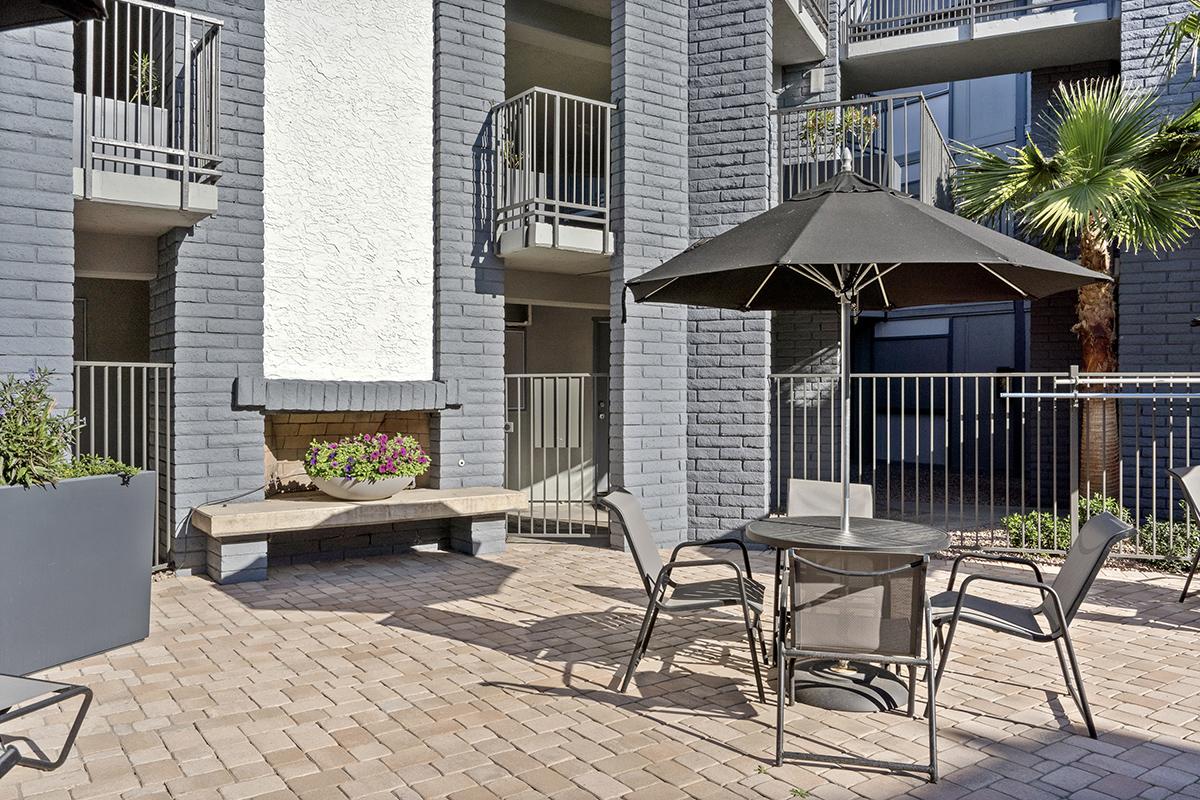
column 867, row 20
column 126, row 410
column 148, row 94
column 894, row 141
column 996, row 457
column 557, row 451
column 552, row 161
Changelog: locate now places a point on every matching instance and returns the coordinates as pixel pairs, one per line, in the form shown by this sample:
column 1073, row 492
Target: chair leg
column 944, row 656
column 649, row 633
column 1080, row 698
column 782, row 676
column 762, row 640
column 639, row 646
column 912, row 690
column 931, row 708
column 762, row 696
column 1191, row 574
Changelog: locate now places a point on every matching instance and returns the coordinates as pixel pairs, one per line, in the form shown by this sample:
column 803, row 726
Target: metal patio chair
column 809, row 498
column 665, row 593
column 858, row 607
column 20, row 697
column 1047, row 621
column 1189, row 484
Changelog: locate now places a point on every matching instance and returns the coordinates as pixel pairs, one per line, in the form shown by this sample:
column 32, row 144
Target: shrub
column 366, row 457
column 86, row 466
column 1174, row 543
column 34, row 439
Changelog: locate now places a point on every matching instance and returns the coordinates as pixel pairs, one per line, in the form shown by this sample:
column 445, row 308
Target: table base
column 861, row 688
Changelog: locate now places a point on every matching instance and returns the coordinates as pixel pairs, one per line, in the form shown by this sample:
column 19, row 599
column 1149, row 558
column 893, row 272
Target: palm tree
column 1181, row 35
column 1115, row 176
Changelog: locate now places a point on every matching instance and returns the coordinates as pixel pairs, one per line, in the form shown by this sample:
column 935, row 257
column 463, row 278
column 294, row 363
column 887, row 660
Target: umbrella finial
column 847, row 160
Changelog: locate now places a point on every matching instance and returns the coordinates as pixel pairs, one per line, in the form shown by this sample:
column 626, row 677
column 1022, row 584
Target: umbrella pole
column 844, row 366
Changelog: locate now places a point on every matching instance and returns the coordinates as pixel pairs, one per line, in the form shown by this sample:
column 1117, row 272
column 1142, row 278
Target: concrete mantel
column 285, row 394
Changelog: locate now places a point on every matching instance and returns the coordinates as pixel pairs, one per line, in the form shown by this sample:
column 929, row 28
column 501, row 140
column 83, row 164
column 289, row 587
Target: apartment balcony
column 801, row 31
column 147, row 118
column 551, row 178
column 894, row 141
column 888, row 44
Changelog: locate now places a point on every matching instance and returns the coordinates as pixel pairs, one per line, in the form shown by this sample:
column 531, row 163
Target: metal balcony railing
column 147, row 94
column 819, row 10
column 893, row 141
column 867, row 20
column 552, row 161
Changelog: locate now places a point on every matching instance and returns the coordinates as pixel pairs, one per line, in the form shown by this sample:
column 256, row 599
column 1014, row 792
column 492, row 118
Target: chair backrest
column 626, row 512
column 1093, row 544
column 879, row 611
column 1189, row 482
column 824, row 498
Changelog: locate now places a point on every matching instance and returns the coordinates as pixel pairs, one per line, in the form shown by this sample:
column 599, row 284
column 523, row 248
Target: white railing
column 867, row 20
column 126, row 411
column 552, row 162
column 148, row 94
column 894, row 141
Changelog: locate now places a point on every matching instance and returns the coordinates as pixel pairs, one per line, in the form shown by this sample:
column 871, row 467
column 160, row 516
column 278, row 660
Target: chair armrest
column 724, row 540
column 1004, row 558
column 663, row 580
column 1044, row 588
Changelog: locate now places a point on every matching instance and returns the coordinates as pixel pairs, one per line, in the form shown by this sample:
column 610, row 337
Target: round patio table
column 843, row 685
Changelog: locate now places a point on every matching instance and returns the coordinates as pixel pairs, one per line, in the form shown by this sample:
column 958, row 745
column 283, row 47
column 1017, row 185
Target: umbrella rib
column 807, row 271
column 1005, row 281
column 659, row 289
column 877, row 279
column 754, row 296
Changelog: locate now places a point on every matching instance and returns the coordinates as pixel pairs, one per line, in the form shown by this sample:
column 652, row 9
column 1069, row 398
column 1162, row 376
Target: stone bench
column 238, row 533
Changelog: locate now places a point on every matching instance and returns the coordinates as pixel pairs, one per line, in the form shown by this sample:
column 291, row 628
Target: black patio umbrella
column 867, row 248
column 24, row 13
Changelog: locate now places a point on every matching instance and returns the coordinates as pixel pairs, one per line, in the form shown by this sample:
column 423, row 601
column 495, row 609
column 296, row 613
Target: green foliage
column 854, row 122
column 1179, row 36
column 143, row 72
column 1114, row 170
column 366, row 457
column 85, row 466
column 34, row 440
column 1175, row 543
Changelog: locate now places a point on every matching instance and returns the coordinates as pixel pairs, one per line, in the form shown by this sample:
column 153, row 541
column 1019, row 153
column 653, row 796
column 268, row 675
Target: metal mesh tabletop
column 865, row 535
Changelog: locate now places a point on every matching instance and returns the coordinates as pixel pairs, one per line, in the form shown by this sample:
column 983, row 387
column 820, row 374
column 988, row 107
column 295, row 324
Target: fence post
column 1073, row 426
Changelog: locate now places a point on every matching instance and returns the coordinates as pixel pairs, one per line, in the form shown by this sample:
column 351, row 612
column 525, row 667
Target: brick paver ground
column 437, row 675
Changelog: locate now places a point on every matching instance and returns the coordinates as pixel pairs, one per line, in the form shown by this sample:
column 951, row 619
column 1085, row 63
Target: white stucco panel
column 348, row 177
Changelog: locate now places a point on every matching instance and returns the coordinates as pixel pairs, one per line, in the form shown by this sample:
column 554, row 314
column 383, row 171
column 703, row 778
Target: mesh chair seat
column 715, row 594
column 993, row 614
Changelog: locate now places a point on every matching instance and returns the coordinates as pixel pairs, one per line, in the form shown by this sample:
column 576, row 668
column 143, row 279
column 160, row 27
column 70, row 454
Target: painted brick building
column 433, row 237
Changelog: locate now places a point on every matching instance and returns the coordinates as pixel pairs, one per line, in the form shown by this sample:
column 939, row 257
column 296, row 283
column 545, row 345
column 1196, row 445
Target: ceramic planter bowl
column 353, row 489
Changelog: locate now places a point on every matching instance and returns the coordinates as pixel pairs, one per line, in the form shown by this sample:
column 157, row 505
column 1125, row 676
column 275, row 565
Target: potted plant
column 365, row 466
column 77, row 539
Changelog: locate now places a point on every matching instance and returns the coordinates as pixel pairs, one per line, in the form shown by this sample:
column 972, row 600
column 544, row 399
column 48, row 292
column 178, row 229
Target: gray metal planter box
column 74, row 569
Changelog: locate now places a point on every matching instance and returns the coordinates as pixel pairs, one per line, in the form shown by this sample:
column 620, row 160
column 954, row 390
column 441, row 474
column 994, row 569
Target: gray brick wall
column 468, row 279
column 648, row 421
column 207, row 300
column 730, row 72
column 37, row 242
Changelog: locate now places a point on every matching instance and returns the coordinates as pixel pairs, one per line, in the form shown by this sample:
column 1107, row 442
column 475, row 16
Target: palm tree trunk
column 1100, row 439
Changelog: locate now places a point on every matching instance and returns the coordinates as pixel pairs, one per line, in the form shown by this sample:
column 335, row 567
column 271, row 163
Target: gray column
column 37, row 243
column 467, row 443
column 206, row 303
column 650, row 222
column 729, row 132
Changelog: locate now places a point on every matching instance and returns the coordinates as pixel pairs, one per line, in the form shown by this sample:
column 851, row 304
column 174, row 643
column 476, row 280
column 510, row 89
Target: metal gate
column 126, row 410
column 557, row 451
column 995, row 457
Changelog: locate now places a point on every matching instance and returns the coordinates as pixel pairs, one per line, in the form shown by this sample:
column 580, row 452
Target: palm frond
column 988, row 183
column 1180, row 37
